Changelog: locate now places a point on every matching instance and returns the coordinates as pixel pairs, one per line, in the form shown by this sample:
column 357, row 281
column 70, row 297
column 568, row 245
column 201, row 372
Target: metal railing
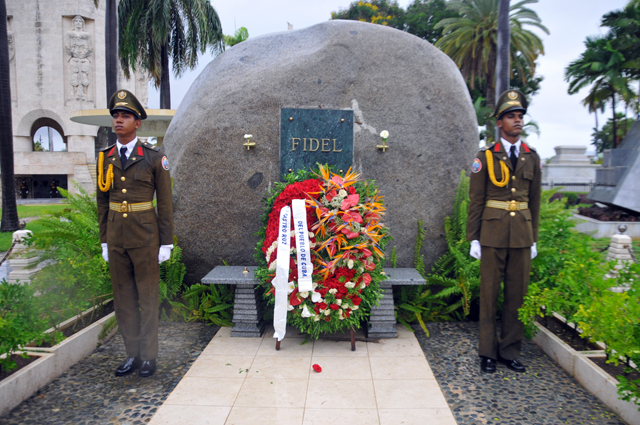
column 569, row 187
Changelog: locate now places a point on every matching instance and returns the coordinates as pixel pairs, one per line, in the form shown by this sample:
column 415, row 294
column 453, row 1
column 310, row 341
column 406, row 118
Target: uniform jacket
column 495, row 227
column 145, row 174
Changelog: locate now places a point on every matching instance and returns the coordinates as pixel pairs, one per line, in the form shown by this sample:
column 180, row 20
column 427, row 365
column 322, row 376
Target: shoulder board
column 150, row 146
column 107, row 148
column 487, row 147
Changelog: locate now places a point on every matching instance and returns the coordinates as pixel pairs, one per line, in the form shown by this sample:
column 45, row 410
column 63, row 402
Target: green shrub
column 212, row 303
column 172, row 274
column 20, row 321
column 76, row 276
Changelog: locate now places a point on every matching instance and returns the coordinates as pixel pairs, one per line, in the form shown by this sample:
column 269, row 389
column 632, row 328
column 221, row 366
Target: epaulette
column 150, row 146
column 107, row 148
column 485, row 147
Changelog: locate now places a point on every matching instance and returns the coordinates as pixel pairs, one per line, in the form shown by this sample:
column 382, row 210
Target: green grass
column 38, row 210
column 25, row 211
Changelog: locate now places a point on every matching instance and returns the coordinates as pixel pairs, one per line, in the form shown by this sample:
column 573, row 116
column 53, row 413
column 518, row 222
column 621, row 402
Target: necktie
column 514, row 158
column 123, row 156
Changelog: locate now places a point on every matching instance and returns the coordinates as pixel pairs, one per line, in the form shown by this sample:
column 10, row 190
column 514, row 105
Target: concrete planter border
column 21, row 385
column 604, row 229
column 587, row 373
column 55, row 360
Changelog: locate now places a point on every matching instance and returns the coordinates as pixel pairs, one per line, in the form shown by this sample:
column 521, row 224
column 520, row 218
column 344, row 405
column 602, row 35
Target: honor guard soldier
column 135, row 238
column 503, row 229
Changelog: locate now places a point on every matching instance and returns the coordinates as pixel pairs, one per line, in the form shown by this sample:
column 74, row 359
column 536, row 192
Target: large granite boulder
column 391, row 80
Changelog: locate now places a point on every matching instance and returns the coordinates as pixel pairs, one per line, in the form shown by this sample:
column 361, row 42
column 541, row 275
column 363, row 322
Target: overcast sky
column 562, row 118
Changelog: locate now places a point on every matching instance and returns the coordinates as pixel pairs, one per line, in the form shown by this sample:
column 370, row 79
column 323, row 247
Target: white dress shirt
column 507, row 146
column 129, row 146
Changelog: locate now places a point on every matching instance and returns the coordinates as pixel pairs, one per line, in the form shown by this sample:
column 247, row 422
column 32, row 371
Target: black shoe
column 148, row 368
column 488, row 365
column 129, row 365
column 513, row 364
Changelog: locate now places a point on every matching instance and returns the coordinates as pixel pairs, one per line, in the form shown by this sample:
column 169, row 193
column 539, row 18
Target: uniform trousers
column 135, row 275
column 511, row 265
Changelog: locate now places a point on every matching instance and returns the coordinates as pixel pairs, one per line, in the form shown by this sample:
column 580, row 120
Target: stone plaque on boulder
column 390, row 79
column 315, row 136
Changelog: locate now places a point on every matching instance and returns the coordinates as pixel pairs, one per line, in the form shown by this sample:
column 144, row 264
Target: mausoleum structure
column 57, row 67
column 571, row 165
column 324, row 91
column 618, row 181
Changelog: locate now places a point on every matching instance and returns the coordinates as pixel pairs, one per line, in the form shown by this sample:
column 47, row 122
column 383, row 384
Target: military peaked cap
column 124, row 100
column 510, row 100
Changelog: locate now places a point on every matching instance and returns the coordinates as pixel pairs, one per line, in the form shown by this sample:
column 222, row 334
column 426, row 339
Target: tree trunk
column 615, row 129
column 111, row 54
column 9, row 208
column 503, row 66
column 165, row 85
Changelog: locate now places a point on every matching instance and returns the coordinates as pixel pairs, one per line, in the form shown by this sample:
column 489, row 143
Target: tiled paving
column 246, row 381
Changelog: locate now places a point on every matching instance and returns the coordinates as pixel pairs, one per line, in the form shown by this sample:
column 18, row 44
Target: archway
column 48, row 136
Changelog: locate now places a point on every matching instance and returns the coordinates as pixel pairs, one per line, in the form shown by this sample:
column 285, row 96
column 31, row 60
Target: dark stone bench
column 247, row 314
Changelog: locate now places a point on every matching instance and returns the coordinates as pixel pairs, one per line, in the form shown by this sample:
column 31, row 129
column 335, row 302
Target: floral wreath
column 347, row 242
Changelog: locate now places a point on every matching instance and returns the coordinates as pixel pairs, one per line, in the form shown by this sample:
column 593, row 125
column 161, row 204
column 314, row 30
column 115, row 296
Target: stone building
column 57, row 67
column 570, row 168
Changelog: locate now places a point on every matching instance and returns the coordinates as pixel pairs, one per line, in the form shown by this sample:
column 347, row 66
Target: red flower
column 327, row 318
column 369, row 265
column 317, row 368
column 347, row 312
column 352, row 216
column 334, row 307
column 366, row 253
column 321, row 306
column 350, row 201
column 356, row 300
column 352, row 190
column 331, row 195
column 367, row 278
column 294, row 299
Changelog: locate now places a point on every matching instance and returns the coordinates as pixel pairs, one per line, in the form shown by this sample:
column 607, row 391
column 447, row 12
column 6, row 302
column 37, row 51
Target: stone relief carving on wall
column 79, row 49
column 12, row 63
column 138, row 84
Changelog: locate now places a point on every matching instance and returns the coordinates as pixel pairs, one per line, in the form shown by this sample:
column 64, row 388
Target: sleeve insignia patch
column 476, row 166
column 165, row 163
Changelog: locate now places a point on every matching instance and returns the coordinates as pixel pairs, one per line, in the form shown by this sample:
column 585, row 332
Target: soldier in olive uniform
column 135, row 239
column 503, row 230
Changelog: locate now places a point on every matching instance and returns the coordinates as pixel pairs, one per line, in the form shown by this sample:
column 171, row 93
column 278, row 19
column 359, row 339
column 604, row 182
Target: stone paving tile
column 89, row 393
column 544, row 395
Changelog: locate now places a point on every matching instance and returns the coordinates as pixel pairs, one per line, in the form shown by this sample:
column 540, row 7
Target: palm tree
column 241, row 35
column 152, row 30
column 471, row 40
column 9, row 208
column 601, row 67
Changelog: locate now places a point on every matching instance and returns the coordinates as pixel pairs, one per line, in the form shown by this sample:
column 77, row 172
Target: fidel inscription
column 310, row 136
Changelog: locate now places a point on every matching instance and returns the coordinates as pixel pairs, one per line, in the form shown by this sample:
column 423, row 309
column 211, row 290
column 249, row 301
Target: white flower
column 316, row 318
column 350, row 285
column 289, row 307
column 363, row 285
column 315, row 285
column 339, row 301
column 311, row 234
column 384, row 134
column 315, row 296
column 272, row 266
column 355, row 307
column 327, row 312
column 350, row 264
column 248, row 136
column 342, row 193
column 333, row 290
column 305, row 312
column 272, row 248
column 340, row 316
column 291, row 287
column 312, row 244
column 304, row 294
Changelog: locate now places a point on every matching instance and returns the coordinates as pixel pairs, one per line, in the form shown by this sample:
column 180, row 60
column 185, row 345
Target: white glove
column 164, row 253
column 534, row 251
column 105, row 252
column 475, row 251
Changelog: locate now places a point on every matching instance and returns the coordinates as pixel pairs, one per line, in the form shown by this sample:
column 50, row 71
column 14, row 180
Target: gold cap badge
column 122, row 95
column 513, row 95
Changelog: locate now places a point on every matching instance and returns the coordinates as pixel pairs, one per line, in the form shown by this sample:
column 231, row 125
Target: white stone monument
column 570, row 165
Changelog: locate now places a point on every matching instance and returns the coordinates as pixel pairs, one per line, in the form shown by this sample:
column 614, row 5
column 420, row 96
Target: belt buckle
column 513, row 206
column 123, row 208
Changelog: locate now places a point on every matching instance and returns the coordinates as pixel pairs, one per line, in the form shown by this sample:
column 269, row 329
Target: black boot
column 148, row 368
column 488, row 365
column 129, row 365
